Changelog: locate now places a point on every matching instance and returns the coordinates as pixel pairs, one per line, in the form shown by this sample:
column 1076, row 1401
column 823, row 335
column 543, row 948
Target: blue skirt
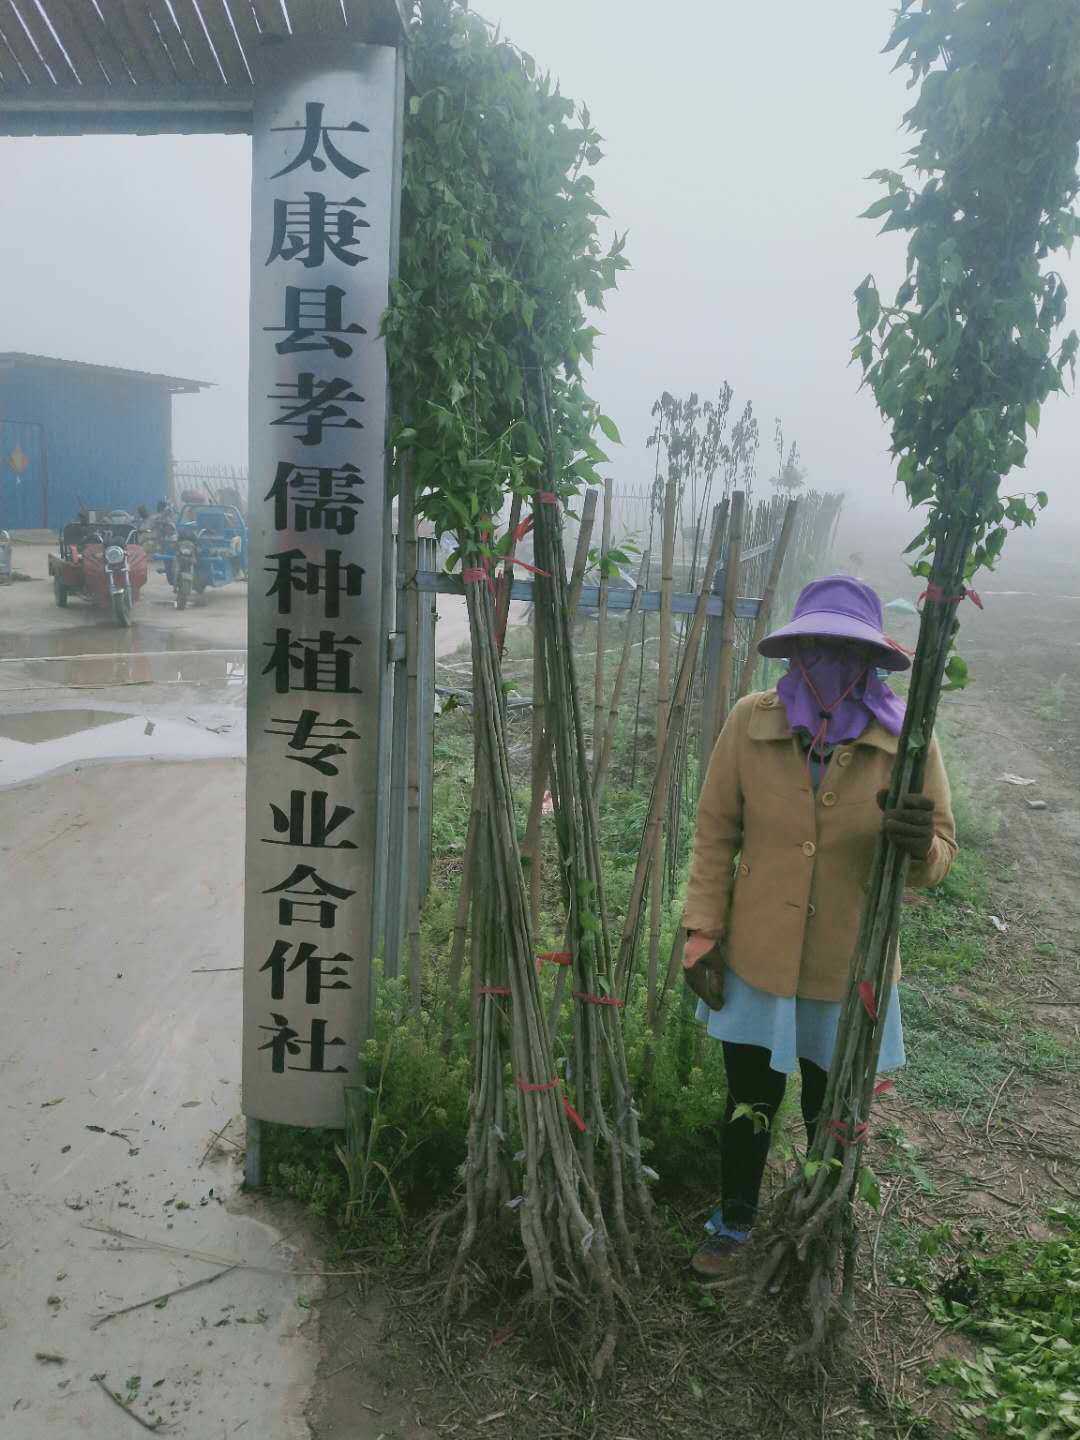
column 792, row 1029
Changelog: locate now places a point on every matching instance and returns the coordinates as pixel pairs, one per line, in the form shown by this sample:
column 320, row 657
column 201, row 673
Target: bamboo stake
column 663, row 705
column 675, row 722
column 600, row 770
column 601, row 631
column 761, row 624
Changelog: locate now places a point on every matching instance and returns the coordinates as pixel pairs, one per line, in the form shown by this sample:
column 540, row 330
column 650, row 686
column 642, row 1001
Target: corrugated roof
column 173, row 383
column 73, row 67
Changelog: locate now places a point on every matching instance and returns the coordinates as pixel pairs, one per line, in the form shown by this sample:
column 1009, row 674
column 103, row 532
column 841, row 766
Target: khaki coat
column 789, row 910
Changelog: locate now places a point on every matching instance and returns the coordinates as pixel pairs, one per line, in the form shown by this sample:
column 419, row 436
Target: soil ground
column 126, row 880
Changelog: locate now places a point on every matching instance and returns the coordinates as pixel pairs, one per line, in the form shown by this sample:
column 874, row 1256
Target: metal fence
column 221, row 484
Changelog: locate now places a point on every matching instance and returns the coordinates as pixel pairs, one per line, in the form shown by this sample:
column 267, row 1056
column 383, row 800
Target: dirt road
column 122, row 919
column 119, row 1063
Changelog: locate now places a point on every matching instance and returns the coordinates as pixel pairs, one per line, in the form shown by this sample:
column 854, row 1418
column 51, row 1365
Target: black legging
column 744, row 1147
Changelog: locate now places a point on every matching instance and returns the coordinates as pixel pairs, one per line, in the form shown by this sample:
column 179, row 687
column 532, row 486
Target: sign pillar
column 324, row 227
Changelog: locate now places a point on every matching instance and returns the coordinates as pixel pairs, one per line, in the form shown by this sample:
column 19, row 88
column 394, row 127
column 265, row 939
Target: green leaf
column 1031, row 414
column 759, row 1121
column 956, row 673
column 609, row 428
column 878, row 208
column 869, row 1188
column 869, row 304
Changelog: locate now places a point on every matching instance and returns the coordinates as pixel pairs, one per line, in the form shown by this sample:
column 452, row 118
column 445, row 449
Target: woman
column 794, row 793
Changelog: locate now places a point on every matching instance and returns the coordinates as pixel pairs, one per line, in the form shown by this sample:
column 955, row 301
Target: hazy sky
column 737, row 140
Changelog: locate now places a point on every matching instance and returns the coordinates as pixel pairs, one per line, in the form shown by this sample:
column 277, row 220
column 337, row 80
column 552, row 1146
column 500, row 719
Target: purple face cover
column 834, row 696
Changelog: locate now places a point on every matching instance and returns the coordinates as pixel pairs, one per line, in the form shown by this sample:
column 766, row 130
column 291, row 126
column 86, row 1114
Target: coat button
column 809, row 848
column 828, row 798
column 744, row 869
column 768, row 701
column 844, row 758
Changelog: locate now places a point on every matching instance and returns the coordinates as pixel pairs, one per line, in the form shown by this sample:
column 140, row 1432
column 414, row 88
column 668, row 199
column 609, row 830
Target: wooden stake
column 663, row 705
column 601, row 632
column 761, row 624
column 600, row 770
column 407, row 517
column 676, row 720
column 713, row 722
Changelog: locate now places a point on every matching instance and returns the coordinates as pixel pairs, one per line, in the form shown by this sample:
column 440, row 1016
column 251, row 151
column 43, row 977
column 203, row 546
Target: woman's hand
column 909, row 825
column 703, row 969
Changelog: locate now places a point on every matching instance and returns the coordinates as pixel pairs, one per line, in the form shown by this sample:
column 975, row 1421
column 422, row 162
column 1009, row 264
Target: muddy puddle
column 38, row 743
column 93, row 640
column 97, row 671
column 38, row 727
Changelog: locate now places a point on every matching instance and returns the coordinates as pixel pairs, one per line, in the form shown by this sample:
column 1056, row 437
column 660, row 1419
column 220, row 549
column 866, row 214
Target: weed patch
column 1023, row 1308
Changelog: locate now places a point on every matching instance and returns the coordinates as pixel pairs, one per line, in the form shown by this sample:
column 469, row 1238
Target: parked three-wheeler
column 101, row 562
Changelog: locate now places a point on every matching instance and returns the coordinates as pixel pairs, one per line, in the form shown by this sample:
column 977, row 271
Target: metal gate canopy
column 159, row 67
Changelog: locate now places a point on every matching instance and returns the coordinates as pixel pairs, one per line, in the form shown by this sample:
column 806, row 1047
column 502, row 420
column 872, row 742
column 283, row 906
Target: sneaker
column 713, row 1259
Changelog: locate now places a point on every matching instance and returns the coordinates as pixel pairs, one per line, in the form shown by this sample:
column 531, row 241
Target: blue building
column 73, row 434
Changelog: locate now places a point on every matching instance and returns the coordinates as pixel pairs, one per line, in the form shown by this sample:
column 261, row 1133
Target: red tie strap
column 527, row 1088
column 935, row 593
column 572, row 1115
column 839, row 1130
column 868, row 997
column 883, row 1087
column 587, row 999
column 532, row 569
column 555, row 957
column 494, row 990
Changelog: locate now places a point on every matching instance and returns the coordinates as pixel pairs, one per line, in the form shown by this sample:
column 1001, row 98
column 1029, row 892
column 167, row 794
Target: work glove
column 910, row 824
column 703, row 969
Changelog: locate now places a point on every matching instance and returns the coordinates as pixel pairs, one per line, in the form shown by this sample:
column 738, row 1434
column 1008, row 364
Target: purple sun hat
column 837, row 608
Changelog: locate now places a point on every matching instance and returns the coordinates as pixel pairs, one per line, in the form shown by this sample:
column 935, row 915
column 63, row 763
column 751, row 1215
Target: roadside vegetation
column 971, row 1154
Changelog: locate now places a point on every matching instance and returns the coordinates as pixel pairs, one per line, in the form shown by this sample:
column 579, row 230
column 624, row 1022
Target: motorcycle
column 118, row 575
column 185, row 555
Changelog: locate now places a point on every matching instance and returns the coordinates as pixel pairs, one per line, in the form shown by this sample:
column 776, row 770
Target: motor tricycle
column 100, row 561
column 208, row 547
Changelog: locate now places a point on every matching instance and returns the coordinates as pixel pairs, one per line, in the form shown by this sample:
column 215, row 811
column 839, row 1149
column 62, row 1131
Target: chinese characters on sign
column 321, row 234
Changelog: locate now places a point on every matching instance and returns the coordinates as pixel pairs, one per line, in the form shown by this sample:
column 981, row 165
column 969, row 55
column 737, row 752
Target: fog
column 738, row 139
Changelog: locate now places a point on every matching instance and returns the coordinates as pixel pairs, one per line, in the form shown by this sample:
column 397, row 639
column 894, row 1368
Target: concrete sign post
column 324, row 224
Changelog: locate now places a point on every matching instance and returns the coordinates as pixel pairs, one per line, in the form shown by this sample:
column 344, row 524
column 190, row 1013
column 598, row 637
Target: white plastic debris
column 1036, row 804
column 1016, row 780
column 998, row 924
column 650, row 1173
column 516, row 1203
column 903, row 607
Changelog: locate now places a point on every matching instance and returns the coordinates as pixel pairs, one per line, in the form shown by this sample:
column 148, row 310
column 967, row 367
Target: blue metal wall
column 108, row 441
